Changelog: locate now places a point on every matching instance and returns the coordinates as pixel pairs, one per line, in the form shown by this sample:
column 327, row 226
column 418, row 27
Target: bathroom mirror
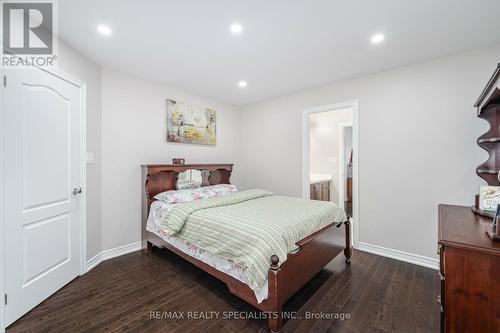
column 191, row 178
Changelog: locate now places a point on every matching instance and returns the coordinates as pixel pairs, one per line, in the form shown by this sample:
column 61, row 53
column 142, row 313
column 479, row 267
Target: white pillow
column 205, row 192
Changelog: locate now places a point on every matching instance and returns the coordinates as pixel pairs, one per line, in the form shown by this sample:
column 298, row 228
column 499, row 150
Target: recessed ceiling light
column 104, row 29
column 377, row 38
column 242, row 84
column 236, row 28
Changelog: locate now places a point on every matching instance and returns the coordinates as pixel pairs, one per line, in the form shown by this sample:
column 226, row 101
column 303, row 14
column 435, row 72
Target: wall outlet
column 90, row 158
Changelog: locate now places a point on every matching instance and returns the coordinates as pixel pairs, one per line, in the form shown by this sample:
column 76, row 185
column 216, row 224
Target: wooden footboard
column 313, row 254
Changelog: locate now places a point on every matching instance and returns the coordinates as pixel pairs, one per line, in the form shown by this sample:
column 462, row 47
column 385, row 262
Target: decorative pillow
column 196, row 194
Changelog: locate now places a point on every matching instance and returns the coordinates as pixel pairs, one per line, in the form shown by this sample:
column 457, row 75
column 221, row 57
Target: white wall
column 417, row 145
column 72, row 62
column 324, row 145
column 133, row 133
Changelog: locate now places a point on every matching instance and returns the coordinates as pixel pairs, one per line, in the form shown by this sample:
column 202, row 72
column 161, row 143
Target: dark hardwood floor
column 137, row 292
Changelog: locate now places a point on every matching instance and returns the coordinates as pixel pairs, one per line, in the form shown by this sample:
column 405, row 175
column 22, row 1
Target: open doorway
column 330, row 157
column 345, row 167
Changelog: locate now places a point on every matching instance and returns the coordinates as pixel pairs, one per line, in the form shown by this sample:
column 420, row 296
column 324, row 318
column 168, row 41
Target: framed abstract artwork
column 189, row 124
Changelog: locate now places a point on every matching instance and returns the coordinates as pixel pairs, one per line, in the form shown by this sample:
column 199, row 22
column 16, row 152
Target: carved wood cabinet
column 469, row 271
column 488, row 108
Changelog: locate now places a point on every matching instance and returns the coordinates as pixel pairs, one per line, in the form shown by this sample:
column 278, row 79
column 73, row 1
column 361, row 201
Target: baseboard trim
column 94, row 261
column 370, row 248
column 399, row 255
column 113, row 253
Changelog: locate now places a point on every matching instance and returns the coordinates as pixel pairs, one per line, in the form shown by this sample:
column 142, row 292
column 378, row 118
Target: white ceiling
column 286, row 45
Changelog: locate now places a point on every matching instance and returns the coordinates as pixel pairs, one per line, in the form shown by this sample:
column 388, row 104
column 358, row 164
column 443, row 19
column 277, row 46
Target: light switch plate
column 90, row 158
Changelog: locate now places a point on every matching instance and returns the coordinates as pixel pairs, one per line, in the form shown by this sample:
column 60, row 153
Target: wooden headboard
column 157, row 178
column 163, row 177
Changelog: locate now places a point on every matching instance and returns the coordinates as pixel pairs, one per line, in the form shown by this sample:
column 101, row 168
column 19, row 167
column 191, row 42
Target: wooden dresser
column 320, row 191
column 470, row 272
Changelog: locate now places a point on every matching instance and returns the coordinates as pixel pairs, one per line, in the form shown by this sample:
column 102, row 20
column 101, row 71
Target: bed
column 269, row 269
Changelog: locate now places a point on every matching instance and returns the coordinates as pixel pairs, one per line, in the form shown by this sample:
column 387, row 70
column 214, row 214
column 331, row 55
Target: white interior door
column 43, row 117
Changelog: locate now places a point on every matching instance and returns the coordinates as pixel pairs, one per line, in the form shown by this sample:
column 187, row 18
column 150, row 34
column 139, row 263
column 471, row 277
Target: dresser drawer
column 441, row 299
column 470, row 286
column 469, row 268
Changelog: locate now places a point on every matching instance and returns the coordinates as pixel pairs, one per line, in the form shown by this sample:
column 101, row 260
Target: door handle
column 77, row 191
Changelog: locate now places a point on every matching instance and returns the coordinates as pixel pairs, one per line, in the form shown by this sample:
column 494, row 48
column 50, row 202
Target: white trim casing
column 83, row 206
column 113, row 253
column 355, row 148
column 400, row 255
column 2, row 210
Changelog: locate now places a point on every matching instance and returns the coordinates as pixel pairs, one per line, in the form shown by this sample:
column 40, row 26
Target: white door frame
column 83, row 208
column 355, row 148
column 2, row 210
column 342, row 161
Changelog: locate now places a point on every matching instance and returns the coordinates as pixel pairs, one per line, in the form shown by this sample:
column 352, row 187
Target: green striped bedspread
column 248, row 227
